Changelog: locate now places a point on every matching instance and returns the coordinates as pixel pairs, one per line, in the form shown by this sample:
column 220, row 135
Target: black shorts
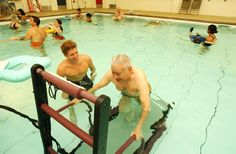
column 85, row 82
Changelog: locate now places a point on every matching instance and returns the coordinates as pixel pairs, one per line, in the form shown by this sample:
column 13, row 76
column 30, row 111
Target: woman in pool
column 55, row 29
column 207, row 40
column 21, row 16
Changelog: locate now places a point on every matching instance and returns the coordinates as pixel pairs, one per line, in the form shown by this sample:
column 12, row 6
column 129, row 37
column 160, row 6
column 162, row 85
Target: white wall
column 150, row 5
column 74, row 4
column 218, row 8
column 212, row 7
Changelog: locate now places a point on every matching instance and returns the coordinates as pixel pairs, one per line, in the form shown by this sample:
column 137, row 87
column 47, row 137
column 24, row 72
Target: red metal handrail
column 67, row 87
column 68, row 124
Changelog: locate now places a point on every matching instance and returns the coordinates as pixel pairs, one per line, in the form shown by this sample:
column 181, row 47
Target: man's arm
column 60, row 72
column 21, row 38
column 144, row 97
column 92, row 69
column 104, row 81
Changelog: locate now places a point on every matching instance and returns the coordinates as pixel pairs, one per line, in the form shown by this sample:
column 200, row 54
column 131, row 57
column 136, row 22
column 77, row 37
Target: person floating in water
column 133, row 84
column 153, row 22
column 204, row 40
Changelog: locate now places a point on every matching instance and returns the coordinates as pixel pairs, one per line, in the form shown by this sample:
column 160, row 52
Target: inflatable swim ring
column 50, row 31
column 17, row 69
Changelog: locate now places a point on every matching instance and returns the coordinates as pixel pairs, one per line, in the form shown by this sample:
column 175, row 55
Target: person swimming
column 204, row 40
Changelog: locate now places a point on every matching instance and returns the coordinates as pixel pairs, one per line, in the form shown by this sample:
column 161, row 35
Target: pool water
column 201, row 81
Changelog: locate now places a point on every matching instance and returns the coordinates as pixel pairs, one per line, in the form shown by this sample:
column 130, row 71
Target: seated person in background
column 205, row 40
column 35, row 34
column 89, row 17
column 21, row 16
column 75, row 68
column 118, row 14
column 14, row 24
column 55, row 29
column 132, row 83
column 79, row 14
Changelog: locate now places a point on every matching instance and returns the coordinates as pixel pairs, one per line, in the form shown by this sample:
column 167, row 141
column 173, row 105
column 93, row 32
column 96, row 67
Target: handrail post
column 40, row 95
column 101, row 120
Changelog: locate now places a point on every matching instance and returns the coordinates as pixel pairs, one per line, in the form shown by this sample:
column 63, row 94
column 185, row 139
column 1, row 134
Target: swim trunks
column 85, row 82
column 36, row 44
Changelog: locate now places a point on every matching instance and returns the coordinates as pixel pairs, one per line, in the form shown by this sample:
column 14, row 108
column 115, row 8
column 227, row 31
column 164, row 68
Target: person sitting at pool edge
column 132, row 83
column 36, row 34
column 118, row 14
column 206, row 41
column 74, row 68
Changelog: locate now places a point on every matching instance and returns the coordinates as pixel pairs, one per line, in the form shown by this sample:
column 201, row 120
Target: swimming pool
column 199, row 80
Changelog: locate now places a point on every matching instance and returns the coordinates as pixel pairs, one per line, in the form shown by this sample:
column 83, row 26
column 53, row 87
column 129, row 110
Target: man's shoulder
column 85, row 57
column 138, row 71
column 62, row 64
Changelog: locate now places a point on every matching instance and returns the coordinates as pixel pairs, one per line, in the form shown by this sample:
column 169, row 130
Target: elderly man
column 132, row 83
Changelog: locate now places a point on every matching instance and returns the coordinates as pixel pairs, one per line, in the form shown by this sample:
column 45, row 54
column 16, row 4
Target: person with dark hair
column 89, row 17
column 79, row 14
column 21, row 16
column 55, row 29
column 35, row 34
column 204, row 40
